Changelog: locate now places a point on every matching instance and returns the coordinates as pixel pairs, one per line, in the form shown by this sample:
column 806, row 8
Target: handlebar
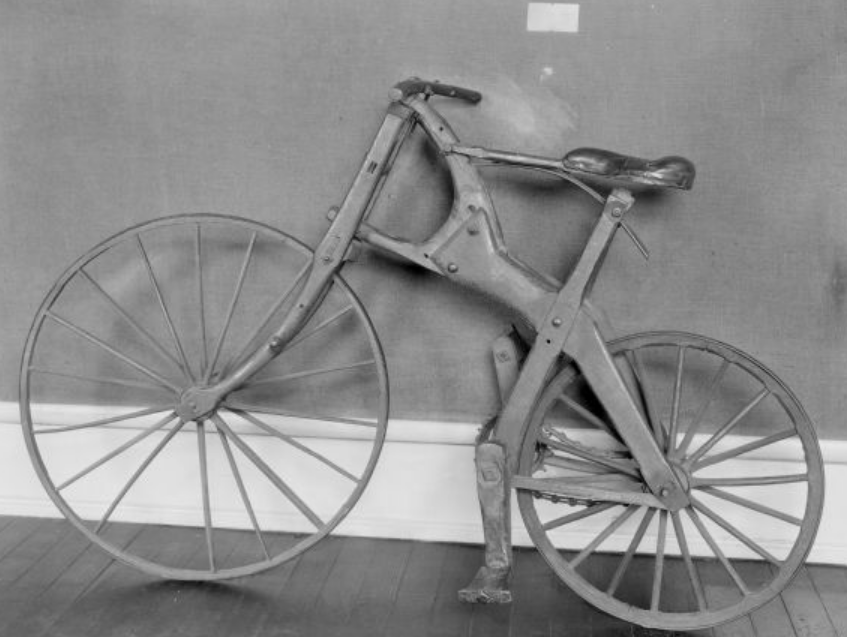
column 417, row 86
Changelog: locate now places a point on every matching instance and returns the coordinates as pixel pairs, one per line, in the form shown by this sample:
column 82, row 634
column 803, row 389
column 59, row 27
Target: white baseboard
column 423, row 488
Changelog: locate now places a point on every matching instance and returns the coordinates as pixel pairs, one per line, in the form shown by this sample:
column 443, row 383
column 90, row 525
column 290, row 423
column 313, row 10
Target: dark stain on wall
column 837, row 287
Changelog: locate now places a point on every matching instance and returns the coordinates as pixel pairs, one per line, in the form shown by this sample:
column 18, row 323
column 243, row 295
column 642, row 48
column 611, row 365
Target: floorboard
column 292, row 610
column 770, row 620
column 337, row 598
column 416, row 595
column 806, row 609
column 831, row 586
column 379, row 589
column 54, row 583
column 38, row 614
column 532, row 586
column 242, row 604
column 720, row 591
column 449, row 616
column 40, row 575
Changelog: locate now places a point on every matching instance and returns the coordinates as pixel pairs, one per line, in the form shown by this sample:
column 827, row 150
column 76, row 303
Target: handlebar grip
column 417, row 86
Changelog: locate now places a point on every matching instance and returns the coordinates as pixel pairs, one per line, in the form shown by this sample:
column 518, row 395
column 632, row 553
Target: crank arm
column 563, row 487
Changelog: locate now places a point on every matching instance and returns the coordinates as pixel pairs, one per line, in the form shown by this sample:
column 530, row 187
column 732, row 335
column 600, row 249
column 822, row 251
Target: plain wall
column 112, row 113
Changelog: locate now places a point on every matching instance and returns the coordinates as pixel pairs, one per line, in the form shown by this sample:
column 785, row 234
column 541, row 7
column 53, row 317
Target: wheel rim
column 174, row 304
column 720, row 407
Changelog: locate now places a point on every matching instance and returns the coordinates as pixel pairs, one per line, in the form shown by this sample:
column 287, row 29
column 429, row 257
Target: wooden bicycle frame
column 469, row 249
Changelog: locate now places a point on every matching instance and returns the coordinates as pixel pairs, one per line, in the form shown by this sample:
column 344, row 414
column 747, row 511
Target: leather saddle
column 665, row 172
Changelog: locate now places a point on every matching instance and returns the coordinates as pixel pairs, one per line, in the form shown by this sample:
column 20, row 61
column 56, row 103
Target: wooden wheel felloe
column 175, row 305
column 741, row 445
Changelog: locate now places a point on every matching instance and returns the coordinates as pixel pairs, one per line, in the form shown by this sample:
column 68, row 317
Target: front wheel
column 171, row 306
column 740, row 444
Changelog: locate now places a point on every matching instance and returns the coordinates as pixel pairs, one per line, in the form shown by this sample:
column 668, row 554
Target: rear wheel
column 170, row 306
column 742, row 447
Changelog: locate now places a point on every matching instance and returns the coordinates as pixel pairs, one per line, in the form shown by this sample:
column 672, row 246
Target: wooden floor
column 53, row 582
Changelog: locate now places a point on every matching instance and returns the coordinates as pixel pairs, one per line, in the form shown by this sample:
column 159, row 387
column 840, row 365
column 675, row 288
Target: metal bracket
column 618, row 204
column 509, row 352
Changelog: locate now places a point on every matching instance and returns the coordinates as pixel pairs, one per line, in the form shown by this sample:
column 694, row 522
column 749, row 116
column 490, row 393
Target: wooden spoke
column 151, row 456
column 201, row 301
column 114, row 352
column 239, row 286
column 290, row 414
column 587, row 415
column 695, row 422
column 164, row 308
column 742, row 449
column 107, row 421
column 204, row 486
column 641, row 376
column 294, row 443
column 269, row 473
column 585, row 454
column 729, row 426
column 693, row 576
column 630, row 551
column 149, row 338
column 245, row 498
column 254, row 334
column 727, row 526
column 133, row 441
column 309, row 372
column 733, row 574
column 591, row 509
column 101, row 380
column 320, row 326
column 677, row 393
column 753, row 481
column 659, row 564
column 750, row 504
column 603, row 535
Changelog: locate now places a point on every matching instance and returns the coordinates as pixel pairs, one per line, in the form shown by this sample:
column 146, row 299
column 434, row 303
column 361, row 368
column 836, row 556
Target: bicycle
column 614, row 435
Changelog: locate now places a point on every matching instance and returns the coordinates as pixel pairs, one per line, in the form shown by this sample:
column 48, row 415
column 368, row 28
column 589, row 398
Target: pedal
column 489, row 586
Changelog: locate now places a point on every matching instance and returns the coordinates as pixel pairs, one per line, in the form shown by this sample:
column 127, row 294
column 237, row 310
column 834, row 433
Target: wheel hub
column 197, row 402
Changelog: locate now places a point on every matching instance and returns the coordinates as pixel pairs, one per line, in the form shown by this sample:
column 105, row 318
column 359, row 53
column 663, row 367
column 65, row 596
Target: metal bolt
column 452, row 267
column 665, row 492
column 617, row 212
column 473, row 229
column 557, row 322
column 276, row 342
